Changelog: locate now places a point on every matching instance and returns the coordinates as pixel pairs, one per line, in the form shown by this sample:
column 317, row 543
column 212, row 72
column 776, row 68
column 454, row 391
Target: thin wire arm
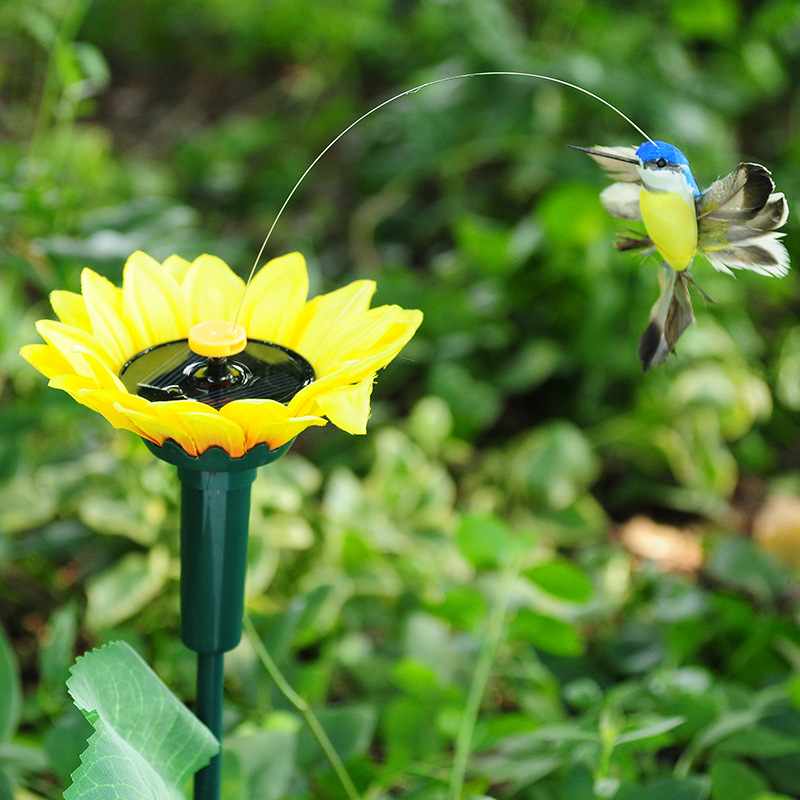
column 398, row 97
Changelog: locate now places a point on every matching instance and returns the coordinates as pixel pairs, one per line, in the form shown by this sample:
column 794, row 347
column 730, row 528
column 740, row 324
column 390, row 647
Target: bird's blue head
column 662, row 155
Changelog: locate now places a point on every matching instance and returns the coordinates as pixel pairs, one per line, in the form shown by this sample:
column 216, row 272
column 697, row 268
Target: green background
column 518, row 414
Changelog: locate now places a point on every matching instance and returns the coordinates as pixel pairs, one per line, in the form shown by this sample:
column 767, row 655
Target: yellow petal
column 347, row 407
column 205, row 425
column 305, row 401
column 277, row 434
column 72, row 343
column 104, row 307
column 274, row 300
column 154, row 305
column 46, row 359
column 213, row 289
column 359, row 337
column 102, row 401
column 246, row 413
column 325, row 315
column 177, row 267
column 103, row 376
column 70, row 308
column 308, row 401
column 159, row 430
column 354, row 371
column 361, row 356
column 267, row 421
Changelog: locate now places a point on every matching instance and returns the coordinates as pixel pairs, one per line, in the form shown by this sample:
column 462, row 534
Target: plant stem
column 46, row 113
column 488, row 653
column 303, row 707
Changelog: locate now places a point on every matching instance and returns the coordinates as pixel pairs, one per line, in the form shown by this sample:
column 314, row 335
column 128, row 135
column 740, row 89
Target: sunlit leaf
column 127, row 587
column 649, row 731
column 266, row 762
column 546, row 633
column 484, row 541
column 146, row 743
column 562, row 579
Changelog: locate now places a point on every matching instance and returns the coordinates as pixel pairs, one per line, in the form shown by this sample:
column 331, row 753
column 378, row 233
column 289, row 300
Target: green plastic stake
column 215, row 512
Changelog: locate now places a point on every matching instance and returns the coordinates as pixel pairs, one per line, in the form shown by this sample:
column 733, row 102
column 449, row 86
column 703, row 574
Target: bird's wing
column 622, row 200
column 617, row 170
column 742, row 197
column 736, row 218
column 764, row 254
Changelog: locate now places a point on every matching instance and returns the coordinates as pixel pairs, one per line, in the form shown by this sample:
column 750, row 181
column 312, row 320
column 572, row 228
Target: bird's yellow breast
column 671, row 223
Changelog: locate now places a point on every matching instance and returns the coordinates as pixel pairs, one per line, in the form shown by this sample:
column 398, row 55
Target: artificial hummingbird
column 732, row 223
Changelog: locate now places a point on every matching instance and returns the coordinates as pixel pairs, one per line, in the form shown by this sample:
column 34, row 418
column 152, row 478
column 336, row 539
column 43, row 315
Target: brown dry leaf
column 776, row 528
column 672, row 549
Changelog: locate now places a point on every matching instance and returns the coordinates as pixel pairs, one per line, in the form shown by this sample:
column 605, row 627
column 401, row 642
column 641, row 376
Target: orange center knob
column 217, row 339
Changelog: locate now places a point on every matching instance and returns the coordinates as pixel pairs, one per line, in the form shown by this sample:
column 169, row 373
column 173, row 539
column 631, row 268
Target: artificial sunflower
column 335, row 343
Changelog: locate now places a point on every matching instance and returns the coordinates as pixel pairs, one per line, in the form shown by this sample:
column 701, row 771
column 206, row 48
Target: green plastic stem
column 208, row 708
column 215, row 511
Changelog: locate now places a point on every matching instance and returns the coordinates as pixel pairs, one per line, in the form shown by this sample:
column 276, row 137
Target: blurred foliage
column 376, row 563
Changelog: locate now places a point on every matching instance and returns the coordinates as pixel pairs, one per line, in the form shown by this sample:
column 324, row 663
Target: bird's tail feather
column 671, row 315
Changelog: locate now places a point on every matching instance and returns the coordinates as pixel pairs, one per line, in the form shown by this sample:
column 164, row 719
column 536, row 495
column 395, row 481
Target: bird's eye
column 661, row 163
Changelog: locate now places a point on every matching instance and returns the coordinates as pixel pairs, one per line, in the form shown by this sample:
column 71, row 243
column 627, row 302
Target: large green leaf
column 733, row 780
column 486, row 541
column 127, row 587
column 546, row 633
column 350, row 729
column 146, row 743
column 10, row 692
column 264, row 761
column 562, row 579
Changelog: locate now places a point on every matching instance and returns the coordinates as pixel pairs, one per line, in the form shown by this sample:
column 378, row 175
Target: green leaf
column 759, row 742
column 487, row 244
column 740, row 564
column 10, row 691
column 6, row 790
column 666, row 789
column 474, row 402
column 524, row 759
column 126, row 588
column 562, row 579
column 266, row 761
column 485, row 541
column 57, row 653
column 653, row 729
column 350, row 730
column 64, row 743
column 146, row 743
column 553, row 465
column 732, row 780
column 571, row 214
column 416, row 679
column 772, row 796
column 411, row 731
column 546, row 633
column 706, row 19
column 793, row 690
column 463, row 607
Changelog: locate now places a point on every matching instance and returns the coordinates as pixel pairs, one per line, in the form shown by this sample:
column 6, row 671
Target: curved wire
column 398, row 97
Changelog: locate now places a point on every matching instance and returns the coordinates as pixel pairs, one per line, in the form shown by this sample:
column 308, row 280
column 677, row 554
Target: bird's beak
column 604, row 154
